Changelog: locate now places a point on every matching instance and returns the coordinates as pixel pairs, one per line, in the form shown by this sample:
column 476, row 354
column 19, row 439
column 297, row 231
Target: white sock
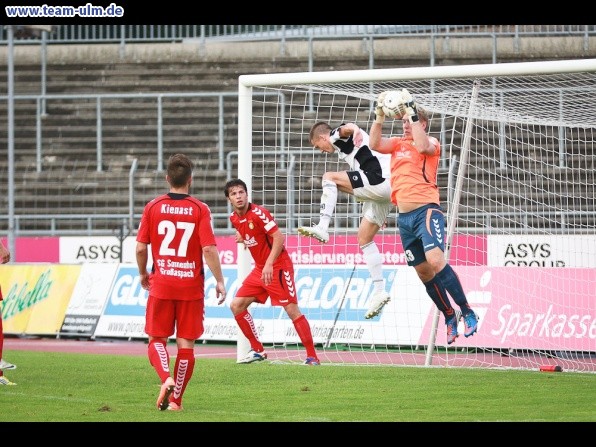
column 374, row 261
column 328, row 201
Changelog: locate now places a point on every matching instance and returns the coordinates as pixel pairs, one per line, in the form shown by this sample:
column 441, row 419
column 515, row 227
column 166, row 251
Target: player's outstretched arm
column 376, row 140
column 352, row 129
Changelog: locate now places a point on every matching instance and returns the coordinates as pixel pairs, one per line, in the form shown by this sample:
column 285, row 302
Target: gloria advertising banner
column 124, row 312
column 334, row 299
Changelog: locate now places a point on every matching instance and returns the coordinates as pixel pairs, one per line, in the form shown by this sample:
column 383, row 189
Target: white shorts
column 376, row 200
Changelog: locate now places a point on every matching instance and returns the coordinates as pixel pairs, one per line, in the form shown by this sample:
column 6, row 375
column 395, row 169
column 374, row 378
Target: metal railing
column 130, row 34
column 123, row 34
column 98, row 100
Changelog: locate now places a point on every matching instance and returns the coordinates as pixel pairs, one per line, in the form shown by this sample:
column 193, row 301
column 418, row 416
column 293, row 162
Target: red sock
column 303, row 329
column 159, row 358
column 247, row 326
column 185, row 366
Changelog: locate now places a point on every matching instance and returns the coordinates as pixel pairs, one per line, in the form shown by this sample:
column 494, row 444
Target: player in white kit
column 368, row 181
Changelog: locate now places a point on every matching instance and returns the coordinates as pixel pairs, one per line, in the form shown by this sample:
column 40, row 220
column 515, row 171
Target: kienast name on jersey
column 169, row 209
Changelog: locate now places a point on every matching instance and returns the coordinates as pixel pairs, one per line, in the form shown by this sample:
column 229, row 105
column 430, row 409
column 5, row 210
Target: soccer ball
column 391, row 104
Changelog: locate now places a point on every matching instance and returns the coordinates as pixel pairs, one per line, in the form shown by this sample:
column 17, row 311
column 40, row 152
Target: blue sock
column 453, row 285
column 436, row 291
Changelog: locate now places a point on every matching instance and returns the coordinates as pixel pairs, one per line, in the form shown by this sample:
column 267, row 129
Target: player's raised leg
column 328, row 201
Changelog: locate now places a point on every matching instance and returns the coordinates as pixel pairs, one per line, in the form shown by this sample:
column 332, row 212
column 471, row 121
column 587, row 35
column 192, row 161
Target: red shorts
column 282, row 289
column 163, row 317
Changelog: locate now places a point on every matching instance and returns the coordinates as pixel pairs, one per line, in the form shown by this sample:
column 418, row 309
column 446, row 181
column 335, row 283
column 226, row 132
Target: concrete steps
column 70, row 182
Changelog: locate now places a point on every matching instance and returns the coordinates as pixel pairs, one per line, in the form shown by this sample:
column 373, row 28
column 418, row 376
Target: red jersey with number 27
column 256, row 227
column 177, row 226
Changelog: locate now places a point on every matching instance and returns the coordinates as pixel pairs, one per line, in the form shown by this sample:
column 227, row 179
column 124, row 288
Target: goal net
column 517, row 184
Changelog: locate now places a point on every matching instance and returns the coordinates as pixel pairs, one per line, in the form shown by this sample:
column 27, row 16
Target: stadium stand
column 72, row 180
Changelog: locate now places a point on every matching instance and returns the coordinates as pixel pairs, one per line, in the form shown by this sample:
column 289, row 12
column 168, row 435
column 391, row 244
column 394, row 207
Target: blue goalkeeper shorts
column 421, row 230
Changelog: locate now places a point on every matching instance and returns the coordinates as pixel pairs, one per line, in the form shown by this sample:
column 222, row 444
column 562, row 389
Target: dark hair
column 317, row 129
column 179, row 170
column 234, row 182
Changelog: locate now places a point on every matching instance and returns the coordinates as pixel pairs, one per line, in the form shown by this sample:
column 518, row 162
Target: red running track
column 112, row 347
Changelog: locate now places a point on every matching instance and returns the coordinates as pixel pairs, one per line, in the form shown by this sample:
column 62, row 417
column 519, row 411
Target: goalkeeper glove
column 408, row 108
column 380, row 115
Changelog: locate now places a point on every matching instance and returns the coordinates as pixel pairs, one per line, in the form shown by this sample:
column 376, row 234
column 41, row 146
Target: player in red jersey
column 4, row 258
column 414, row 163
column 272, row 276
column 179, row 229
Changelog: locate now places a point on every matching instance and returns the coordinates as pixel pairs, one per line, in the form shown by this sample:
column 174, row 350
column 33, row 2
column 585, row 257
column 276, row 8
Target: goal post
column 520, row 210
